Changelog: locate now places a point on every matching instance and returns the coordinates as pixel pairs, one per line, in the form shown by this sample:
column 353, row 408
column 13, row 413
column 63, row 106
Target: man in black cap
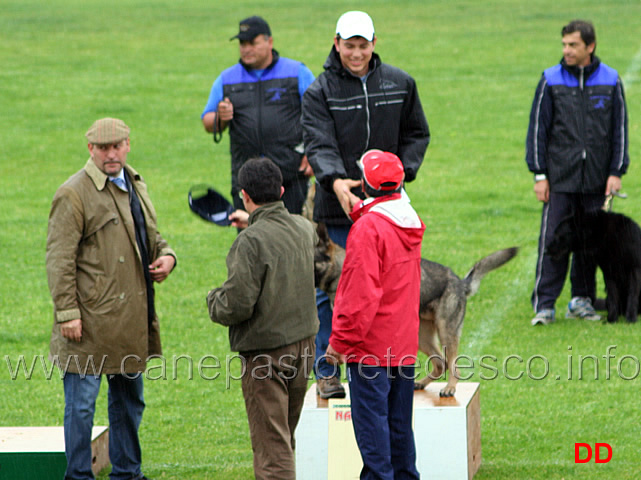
column 259, row 99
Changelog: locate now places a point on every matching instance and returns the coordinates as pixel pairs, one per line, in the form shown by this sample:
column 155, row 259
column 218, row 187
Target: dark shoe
column 330, row 388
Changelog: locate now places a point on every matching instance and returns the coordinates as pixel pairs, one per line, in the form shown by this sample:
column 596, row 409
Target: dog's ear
column 323, row 235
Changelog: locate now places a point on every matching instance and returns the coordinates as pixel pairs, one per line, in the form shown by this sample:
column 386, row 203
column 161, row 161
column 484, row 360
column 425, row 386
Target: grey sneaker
column 543, row 317
column 581, row 307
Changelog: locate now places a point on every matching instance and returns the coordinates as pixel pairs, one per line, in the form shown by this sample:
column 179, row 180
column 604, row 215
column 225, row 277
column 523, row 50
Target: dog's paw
column 447, row 392
column 418, row 386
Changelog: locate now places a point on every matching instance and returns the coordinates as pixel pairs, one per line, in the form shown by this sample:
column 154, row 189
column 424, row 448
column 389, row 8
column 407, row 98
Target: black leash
column 218, row 131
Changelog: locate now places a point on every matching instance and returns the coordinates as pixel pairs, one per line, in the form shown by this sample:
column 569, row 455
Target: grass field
column 66, row 63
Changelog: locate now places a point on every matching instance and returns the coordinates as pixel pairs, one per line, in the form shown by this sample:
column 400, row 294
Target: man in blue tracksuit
column 577, row 148
column 259, row 99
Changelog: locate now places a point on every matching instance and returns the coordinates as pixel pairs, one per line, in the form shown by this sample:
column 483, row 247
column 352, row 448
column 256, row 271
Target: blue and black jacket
column 578, row 132
column 267, row 113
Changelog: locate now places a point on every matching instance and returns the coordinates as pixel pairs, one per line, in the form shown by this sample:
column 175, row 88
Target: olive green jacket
column 268, row 300
column 95, row 273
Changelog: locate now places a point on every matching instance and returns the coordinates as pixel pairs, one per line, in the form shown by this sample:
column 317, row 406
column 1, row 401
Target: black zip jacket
column 343, row 117
column 578, row 133
column 266, row 116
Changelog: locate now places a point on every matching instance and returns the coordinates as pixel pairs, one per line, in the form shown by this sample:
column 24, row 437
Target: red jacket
column 375, row 318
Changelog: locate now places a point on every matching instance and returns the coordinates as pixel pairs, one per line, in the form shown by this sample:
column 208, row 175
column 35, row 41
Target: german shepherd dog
column 614, row 241
column 442, row 304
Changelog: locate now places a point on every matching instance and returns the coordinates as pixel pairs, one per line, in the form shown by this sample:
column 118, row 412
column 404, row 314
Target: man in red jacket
column 375, row 323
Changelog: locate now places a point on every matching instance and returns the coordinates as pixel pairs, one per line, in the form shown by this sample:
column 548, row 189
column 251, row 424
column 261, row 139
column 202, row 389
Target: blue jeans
column 125, row 405
column 382, row 404
column 322, row 369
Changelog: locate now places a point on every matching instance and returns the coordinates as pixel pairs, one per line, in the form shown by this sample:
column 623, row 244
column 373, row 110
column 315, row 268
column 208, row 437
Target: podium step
column 27, row 453
column 447, row 433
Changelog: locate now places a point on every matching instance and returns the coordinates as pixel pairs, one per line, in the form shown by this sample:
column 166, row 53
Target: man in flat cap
column 259, row 99
column 104, row 252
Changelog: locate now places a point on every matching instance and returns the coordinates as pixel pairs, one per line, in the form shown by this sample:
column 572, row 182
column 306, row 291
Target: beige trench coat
column 95, row 273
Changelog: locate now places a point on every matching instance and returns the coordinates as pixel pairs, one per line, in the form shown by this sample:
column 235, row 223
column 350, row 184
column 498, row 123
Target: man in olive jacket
column 103, row 254
column 268, row 302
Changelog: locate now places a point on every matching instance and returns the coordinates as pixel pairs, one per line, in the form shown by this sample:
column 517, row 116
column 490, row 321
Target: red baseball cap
column 382, row 170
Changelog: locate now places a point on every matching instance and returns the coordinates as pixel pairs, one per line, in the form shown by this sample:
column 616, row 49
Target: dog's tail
column 484, row 266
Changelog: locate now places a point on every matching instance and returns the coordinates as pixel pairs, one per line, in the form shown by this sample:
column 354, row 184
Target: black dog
column 614, row 240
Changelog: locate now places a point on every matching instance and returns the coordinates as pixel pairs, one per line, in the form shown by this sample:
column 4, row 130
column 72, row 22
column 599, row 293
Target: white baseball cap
column 355, row 24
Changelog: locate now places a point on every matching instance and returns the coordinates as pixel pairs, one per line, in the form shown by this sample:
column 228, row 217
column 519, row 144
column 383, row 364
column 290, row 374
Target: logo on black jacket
column 599, row 101
column 277, row 91
column 387, row 84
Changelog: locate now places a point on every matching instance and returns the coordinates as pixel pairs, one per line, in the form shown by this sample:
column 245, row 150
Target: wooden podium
column 27, row 453
column 447, row 432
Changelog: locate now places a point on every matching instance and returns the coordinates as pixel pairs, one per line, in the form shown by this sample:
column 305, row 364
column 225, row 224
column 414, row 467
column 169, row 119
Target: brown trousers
column 274, row 386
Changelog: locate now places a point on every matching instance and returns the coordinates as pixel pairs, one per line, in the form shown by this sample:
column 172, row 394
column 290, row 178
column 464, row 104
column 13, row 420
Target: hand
column 613, row 185
column 305, row 167
column 239, row 219
column 71, row 330
column 161, row 268
column 225, row 110
column 542, row 190
column 342, row 189
column 333, row 357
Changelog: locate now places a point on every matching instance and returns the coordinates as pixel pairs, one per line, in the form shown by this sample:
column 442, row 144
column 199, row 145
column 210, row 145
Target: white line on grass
column 631, row 76
column 480, row 338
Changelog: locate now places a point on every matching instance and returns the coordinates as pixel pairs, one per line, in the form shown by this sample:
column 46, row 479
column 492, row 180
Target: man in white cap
column 358, row 103
column 104, row 252
column 376, row 322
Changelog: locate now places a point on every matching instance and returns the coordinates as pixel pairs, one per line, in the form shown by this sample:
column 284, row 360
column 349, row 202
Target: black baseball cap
column 251, row 27
column 210, row 205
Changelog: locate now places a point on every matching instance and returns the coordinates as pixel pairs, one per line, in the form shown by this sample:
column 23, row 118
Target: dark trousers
column 274, row 386
column 322, row 369
column 295, row 194
column 382, row 404
column 550, row 273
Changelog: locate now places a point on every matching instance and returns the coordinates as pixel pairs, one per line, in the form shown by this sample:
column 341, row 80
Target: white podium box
column 27, row 453
column 447, row 432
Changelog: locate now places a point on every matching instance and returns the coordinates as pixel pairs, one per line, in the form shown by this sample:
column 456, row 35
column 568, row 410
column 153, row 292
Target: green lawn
column 66, row 63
